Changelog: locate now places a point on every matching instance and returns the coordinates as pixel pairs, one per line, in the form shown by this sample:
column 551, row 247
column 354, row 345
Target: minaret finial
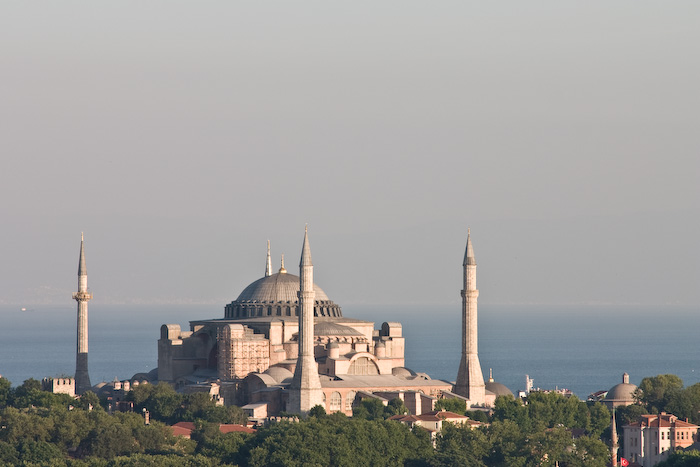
column 490, row 375
column 282, row 270
column 305, row 249
column 82, row 269
column 268, row 263
column 469, row 253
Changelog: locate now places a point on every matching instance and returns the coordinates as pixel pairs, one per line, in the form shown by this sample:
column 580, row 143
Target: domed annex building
column 264, row 361
column 621, row 394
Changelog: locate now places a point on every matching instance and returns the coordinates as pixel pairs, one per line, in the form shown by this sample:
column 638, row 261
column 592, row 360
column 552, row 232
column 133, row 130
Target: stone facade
column 241, row 352
column 59, row 385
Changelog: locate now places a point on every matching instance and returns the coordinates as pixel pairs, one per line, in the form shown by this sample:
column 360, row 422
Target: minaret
column 82, row 296
column 614, row 445
column 268, row 264
column 470, row 380
column 305, row 389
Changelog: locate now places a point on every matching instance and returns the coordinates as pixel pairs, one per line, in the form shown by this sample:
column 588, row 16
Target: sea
column 581, row 348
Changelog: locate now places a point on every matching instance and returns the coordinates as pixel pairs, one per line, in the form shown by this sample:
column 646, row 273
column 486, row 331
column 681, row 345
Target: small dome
column 623, row 392
column 280, row 287
column 498, row 389
column 279, row 374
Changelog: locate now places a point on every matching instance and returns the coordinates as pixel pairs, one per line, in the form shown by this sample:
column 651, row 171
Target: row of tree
column 41, row 428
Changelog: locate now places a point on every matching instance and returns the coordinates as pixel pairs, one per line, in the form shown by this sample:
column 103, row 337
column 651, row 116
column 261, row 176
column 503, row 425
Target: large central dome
column 280, row 287
column 277, row 295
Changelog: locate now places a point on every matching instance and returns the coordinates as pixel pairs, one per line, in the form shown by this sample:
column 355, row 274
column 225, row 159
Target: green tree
column 508, row 445
column 508, row 408
column 108, row 439
column 317, row 411
column 5, row 391
column 682, row 459
column 8, row 454
column 38, row 452
column 587, row 452
column 395, row 407
column 161, row 400
column 658, row 391
column 336, row 441
column 369, row 409
column 89, row 401
column 452, row 404
column 460, row 445
column 600, row 419
column 549, row 447
column 224, row 447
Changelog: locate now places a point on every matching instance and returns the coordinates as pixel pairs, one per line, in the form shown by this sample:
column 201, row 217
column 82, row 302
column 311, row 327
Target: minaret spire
column 614, row 445
column 268, row 264
column 470, row 379
column 305, row 389
column 82, row 296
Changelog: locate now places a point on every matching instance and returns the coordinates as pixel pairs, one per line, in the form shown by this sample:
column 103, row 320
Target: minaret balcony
column 82, row 296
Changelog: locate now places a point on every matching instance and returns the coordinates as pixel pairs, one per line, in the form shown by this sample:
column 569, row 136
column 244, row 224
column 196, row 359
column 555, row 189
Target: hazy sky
column 180, row 136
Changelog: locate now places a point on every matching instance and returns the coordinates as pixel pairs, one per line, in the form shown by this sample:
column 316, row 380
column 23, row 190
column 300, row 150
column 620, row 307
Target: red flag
column 624, row 462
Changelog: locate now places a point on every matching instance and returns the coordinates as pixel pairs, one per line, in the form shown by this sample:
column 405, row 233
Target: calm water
column 584, row 349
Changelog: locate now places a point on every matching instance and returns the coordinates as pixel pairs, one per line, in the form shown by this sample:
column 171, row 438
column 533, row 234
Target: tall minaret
column 470, row 380
column 305, row 389
column 614, row 445
column 268, row 265
column 82, row 378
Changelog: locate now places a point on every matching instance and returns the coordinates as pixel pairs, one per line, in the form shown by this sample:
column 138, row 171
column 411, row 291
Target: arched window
column 336, row 402
column 363, row 366
column 349, row 400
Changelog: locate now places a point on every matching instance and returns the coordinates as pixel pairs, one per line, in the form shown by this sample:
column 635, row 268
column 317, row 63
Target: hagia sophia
column 256, row 352
column 284, row 346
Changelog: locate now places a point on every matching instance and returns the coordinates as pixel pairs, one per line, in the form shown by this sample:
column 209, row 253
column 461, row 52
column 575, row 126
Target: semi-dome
column 280, row 374
column 329, row 328
column 277, row 295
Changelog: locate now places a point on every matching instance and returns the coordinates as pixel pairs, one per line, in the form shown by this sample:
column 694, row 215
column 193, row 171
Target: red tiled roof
column 187, row 425
column 231, row 428
column 427, row 417
column 180, row 431
column 186, row 428
column 662, row 420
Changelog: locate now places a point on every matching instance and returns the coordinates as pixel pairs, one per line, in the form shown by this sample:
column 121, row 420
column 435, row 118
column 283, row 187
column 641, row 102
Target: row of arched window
column 249, row 311
column 336, row 401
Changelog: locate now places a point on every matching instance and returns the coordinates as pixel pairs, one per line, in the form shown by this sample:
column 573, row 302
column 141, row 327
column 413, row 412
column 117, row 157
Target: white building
column 650, row 440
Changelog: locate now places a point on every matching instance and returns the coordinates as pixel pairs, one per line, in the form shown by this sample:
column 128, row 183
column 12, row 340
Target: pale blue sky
column 180, row 136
